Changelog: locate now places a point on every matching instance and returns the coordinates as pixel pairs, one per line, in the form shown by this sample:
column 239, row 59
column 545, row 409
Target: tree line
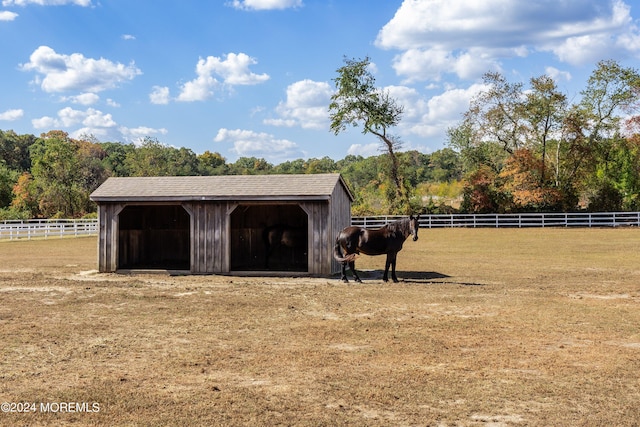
column 527, row 148
column 52, row 176
column 517, row 149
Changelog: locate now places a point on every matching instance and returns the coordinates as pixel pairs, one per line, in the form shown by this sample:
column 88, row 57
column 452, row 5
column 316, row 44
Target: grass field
column 488, row 327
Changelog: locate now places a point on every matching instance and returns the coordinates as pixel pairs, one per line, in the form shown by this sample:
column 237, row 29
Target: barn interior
column 154, row 237
column 269, row 237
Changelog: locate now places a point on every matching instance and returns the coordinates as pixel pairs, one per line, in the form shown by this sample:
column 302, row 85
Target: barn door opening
column 154, row 237
column 269, row 238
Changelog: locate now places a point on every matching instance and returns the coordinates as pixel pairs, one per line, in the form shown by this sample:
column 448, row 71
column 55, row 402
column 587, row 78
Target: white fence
column 50, row 228
column 47, row 228
column 597, row 219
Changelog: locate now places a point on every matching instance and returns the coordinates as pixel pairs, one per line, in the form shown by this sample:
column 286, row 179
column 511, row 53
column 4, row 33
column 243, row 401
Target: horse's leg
column 344, row 273
column 387, row 263
column 352, row 266
column 393, row 269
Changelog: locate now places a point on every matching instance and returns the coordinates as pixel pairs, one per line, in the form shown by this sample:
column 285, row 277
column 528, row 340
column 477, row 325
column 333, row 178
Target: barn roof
column 225, row 187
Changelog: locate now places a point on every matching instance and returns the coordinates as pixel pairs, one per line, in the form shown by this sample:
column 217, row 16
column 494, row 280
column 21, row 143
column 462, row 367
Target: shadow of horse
column 424, row 277
column 432, row 277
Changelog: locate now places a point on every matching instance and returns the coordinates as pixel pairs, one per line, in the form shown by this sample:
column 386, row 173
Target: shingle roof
column 226, row 187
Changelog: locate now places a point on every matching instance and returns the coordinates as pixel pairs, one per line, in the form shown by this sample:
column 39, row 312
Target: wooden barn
column 239, row 224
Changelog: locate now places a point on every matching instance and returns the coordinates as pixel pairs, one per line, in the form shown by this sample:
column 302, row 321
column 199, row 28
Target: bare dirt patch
column 487, row 327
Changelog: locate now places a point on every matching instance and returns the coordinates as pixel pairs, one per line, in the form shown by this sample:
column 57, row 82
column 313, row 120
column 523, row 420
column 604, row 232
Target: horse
column 280, row 236
column 385, row 240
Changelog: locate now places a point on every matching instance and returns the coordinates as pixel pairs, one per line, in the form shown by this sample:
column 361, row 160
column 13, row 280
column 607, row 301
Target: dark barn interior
column 154, row 237
column 269, row 237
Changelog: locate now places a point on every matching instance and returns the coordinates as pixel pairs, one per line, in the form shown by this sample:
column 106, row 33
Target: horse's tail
column 337, row 253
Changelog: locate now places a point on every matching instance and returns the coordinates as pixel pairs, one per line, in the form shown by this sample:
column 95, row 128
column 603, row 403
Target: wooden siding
column 108, row 236
column 209, row 223
column 340, row 217
column 318, row 232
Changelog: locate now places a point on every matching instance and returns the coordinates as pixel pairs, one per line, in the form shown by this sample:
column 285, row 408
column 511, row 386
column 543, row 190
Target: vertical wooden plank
column 102, row 241
column 219, row 235
column 223, row 236
column 340, row 217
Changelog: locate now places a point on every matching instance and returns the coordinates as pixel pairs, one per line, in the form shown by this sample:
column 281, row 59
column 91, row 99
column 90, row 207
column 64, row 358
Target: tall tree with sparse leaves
column 357, row 101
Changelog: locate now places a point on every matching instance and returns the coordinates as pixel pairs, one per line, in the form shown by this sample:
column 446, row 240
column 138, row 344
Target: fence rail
column 598, row 219
column 47, row 228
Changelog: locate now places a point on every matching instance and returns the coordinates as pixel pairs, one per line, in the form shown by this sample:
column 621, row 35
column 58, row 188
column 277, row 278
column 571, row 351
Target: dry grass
column 489, row 327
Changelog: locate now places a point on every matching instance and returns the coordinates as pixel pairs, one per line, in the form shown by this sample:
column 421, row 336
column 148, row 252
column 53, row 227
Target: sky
column 254, row 78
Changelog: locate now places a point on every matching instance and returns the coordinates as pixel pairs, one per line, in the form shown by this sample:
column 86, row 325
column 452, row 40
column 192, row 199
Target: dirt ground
column 488, row 327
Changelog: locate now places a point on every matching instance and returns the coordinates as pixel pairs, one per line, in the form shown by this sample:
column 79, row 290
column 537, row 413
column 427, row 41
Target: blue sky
column 255, row 77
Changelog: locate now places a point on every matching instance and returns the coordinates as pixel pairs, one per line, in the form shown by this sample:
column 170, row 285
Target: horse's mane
column 401, row 225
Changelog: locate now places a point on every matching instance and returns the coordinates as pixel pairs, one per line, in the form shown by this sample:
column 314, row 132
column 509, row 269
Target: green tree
column 211, row 164
column 357, row 101
column 445, row 165
column 153, row 158
column 496, row 114
column 250, row 166
column 544, row 111
column 290, row 167
column 611, row 92
column 8, row 179
column 323, row 165
column 14, row 150
column 56, row 174
column 115, row 161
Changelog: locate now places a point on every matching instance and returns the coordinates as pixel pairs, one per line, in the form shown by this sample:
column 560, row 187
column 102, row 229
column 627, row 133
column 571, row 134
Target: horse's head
column 414, row 225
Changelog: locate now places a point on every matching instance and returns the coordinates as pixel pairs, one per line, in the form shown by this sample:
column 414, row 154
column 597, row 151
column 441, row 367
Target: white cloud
column 88, row 98
column 365, row 150
column 444, row 111
column 44, row 122
column 265, row 4
column 305, row 106
column 5, row 15
column 469, row 37
column 11, row 115
column 83, row 3
column 159, row 95
column 583, row 49
column 76, row 73
column 128, row 37
column 247, row 143
column 142, row 131
column 80, row 123
column 234, row 70
column 557, row 75
column 428, row 117
column 137, row 135
column 68, row 118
